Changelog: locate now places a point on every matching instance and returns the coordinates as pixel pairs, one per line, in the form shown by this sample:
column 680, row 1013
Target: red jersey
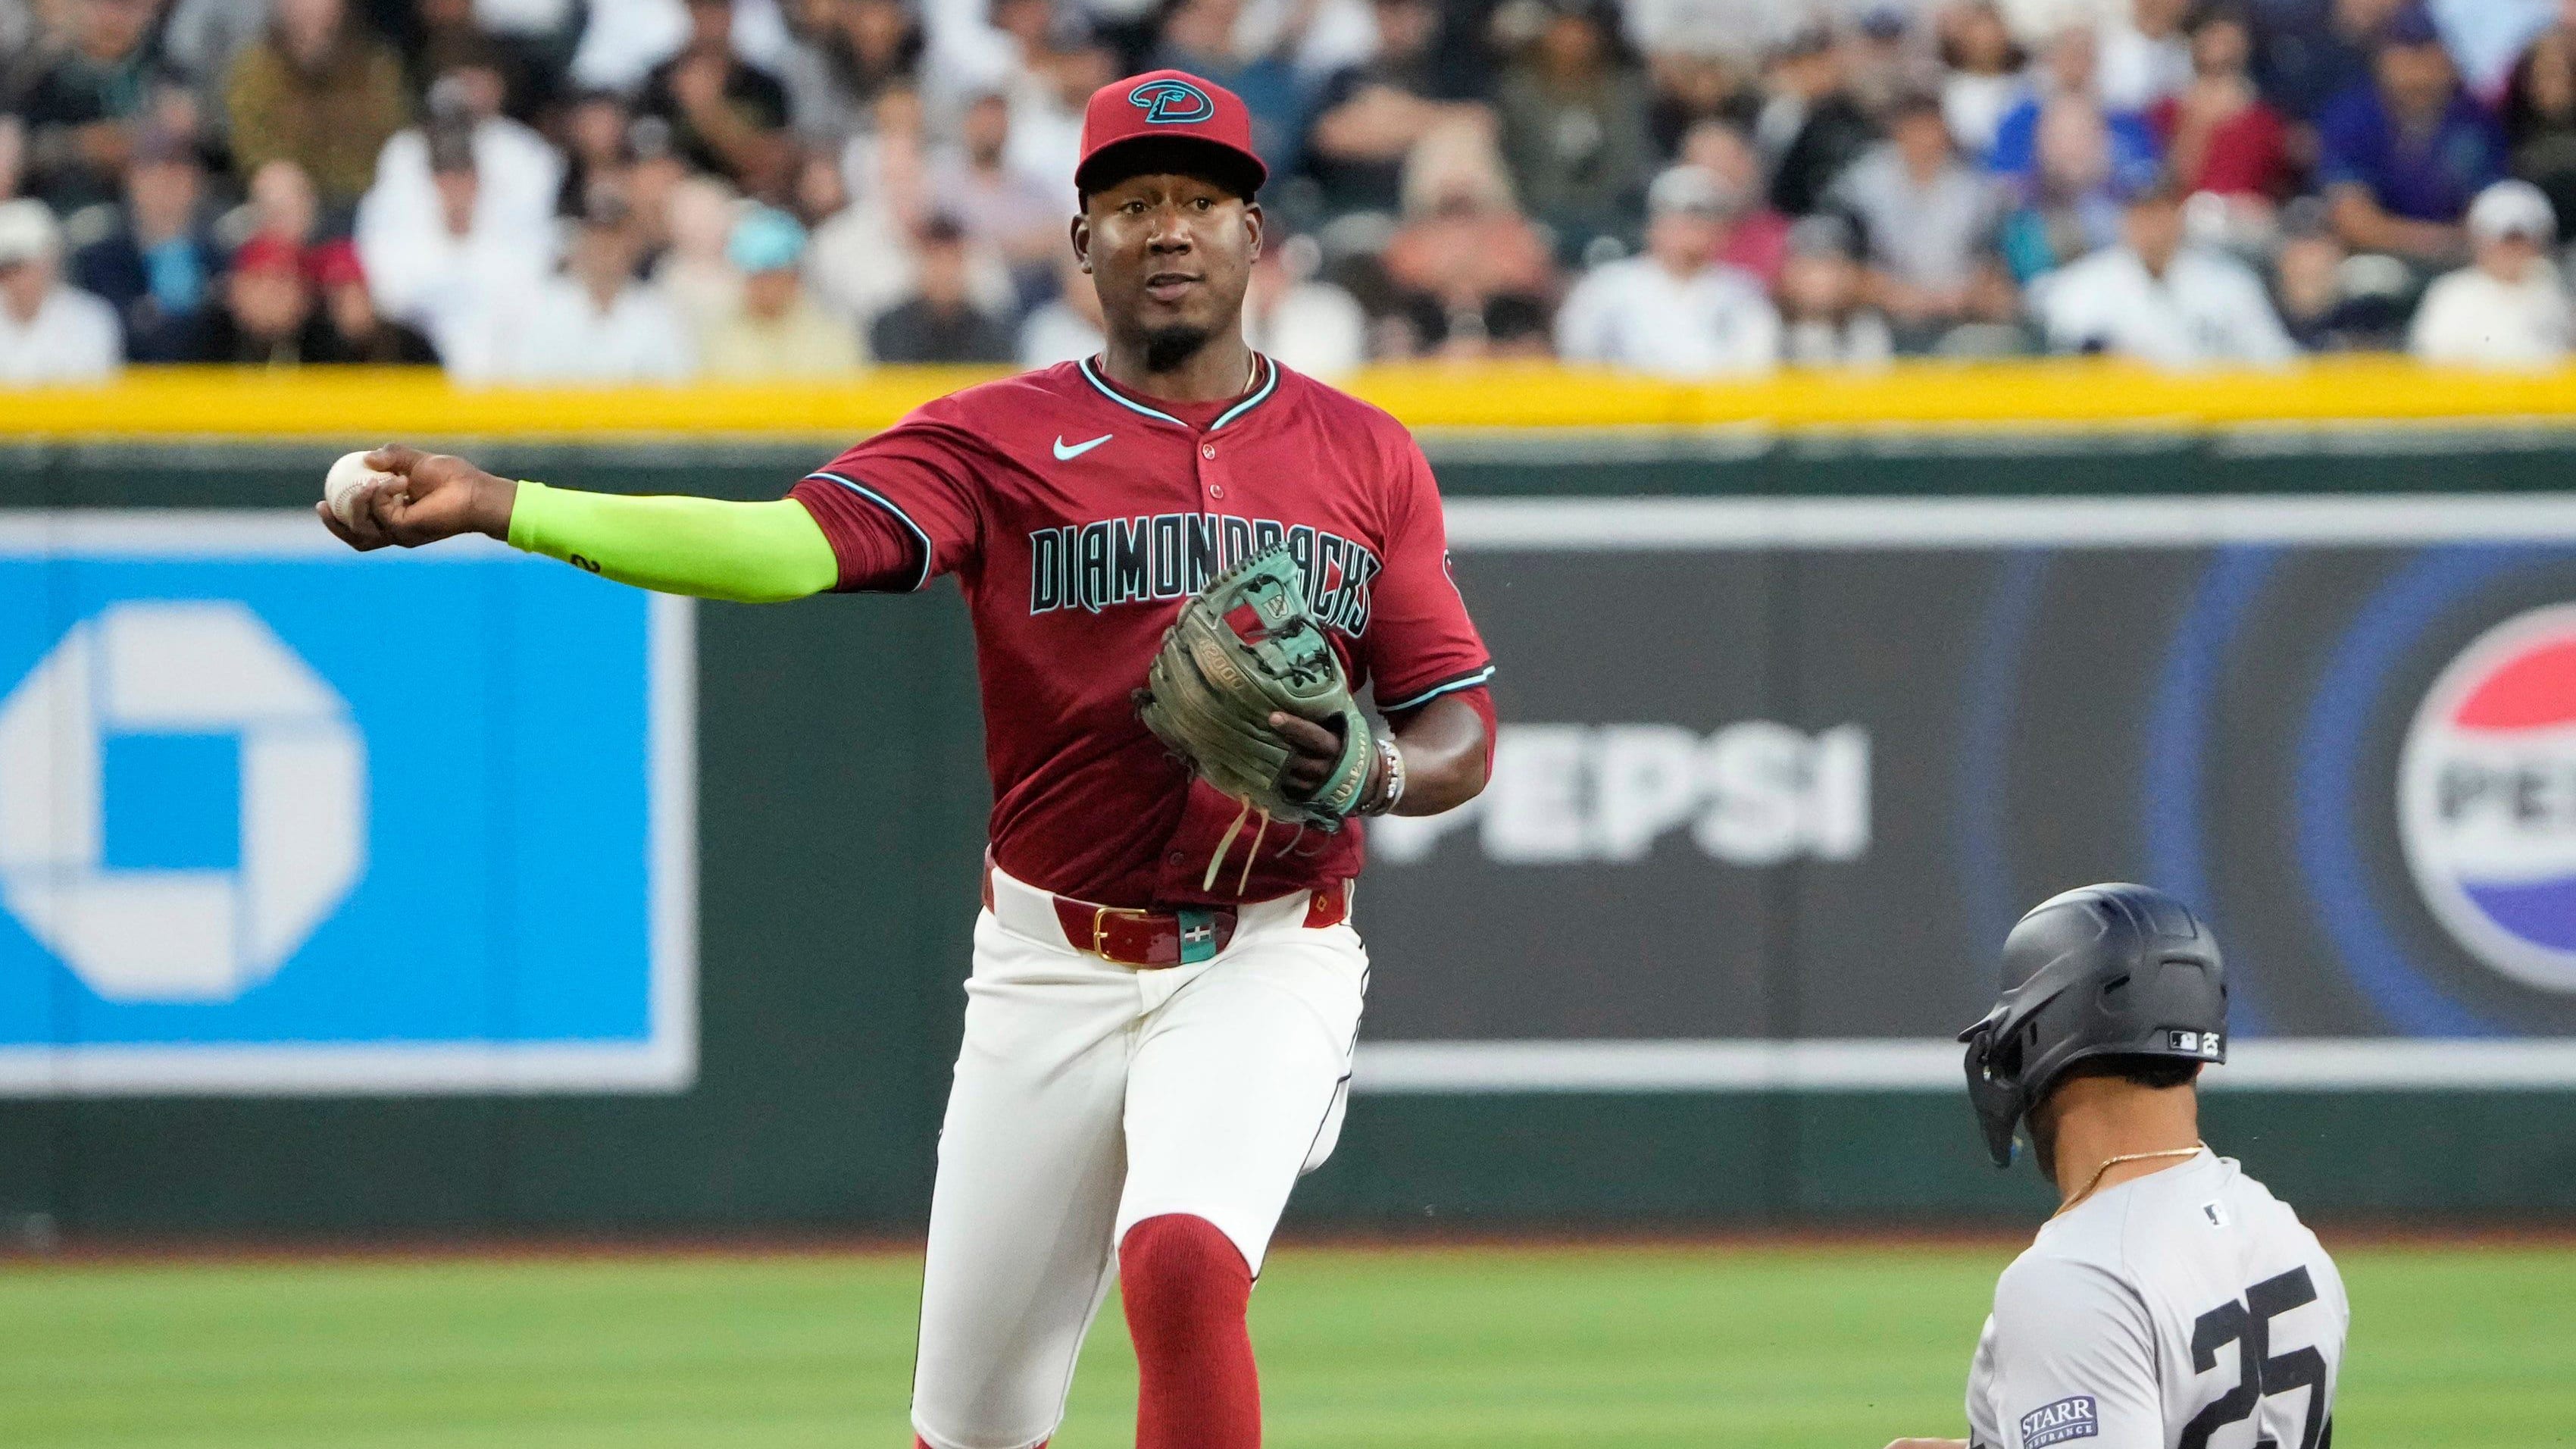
column 1076, row 518
column 2248, row 154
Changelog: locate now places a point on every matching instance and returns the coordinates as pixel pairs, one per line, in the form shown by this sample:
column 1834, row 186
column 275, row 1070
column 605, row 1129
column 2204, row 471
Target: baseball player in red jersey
column 1155, row 1049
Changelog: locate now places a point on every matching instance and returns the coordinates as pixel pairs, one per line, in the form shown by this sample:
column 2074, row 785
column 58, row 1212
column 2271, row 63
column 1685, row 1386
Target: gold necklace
column 2108, row 1163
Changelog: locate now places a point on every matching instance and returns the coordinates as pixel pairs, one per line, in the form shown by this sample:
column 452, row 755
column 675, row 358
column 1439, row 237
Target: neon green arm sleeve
column 749, row 553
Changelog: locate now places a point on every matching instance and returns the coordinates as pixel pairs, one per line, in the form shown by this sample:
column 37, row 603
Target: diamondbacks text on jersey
column 1076, row 517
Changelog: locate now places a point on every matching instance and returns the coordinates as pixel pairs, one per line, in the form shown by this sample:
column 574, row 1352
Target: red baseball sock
column 1186, row 1288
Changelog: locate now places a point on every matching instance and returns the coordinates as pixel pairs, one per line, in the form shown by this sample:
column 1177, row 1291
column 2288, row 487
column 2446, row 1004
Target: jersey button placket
column 1211, row 481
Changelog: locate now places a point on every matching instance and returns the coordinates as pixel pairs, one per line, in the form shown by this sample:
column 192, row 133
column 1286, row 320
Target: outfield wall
column 1691, row 962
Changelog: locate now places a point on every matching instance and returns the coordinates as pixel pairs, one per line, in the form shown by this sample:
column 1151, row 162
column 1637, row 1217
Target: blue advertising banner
column 276, row 817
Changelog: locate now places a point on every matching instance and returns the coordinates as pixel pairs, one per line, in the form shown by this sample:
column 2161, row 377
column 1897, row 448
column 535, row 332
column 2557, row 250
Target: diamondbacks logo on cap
column 2486, row 805
column 1170, row 102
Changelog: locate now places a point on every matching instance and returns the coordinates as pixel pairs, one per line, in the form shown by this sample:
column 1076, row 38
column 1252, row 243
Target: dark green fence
column 841, row 811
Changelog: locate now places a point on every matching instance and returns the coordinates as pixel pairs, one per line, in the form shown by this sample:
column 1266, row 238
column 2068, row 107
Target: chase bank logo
column 2487, row 798
column 1170, row 102
column 205, row 671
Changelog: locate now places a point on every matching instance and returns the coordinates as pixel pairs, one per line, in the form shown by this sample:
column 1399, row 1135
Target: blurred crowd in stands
column 619, row 190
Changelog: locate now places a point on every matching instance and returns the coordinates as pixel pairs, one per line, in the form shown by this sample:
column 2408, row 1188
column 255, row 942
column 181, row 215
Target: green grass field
column 2462, row 1348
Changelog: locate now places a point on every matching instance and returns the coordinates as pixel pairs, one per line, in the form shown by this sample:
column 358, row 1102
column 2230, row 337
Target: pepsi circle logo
column 1171, row 102
column 2486, row 805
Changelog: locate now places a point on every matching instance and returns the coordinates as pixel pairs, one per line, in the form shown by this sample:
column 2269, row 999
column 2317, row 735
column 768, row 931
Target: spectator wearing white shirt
column 623, row 40
column 1672, row 311
column 454, row 276
column 861, row 261
column 1037, row 54
column 1737, row 31
column 596, row 323
column 974, row 46
column 1047, row 101
column 2484, row 36
column 2159, row 300
column 530, row 23
column 518, row 175
column 2034, row 21
column 49, row 333
column 2145, row 55
column 1316, row 37
column 2509, row 309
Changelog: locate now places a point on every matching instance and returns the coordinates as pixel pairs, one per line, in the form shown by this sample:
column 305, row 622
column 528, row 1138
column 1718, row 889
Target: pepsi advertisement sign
column 1776, row 839
column 276, row 817
column 2487, row 790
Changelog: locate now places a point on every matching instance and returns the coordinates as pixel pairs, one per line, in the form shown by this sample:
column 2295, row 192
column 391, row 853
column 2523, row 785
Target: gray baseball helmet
column 2103, row 970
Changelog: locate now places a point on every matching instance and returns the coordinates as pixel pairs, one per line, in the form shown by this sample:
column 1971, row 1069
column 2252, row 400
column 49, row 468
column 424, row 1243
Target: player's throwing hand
column 431, row 496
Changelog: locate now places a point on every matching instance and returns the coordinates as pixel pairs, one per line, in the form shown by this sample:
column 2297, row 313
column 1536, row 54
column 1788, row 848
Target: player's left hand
column 1317, row 750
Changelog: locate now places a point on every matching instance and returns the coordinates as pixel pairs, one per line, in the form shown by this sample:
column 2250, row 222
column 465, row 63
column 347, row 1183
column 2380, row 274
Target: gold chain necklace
column 2108, row 1163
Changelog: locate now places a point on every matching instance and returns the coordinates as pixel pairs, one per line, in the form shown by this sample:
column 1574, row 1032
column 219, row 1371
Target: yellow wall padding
column 370, row 404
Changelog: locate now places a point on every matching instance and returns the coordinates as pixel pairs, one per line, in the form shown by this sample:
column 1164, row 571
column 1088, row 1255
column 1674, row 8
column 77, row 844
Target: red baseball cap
column 266, row 253
column 1166, row 105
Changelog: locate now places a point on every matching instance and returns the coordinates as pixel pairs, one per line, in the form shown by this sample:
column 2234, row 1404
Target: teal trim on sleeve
column 746, row 553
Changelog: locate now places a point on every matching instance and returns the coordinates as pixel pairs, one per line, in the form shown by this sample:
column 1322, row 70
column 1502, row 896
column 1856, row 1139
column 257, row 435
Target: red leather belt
column 1147, row 940
column 1150, row 940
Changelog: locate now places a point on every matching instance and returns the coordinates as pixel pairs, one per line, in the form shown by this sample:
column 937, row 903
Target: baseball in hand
column 351, row 473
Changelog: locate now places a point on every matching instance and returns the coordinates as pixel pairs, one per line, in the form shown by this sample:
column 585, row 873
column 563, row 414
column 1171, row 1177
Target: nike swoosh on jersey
column 1064, row 454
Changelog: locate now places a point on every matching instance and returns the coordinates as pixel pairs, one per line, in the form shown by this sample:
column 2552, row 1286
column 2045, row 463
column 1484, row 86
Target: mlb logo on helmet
column 2194, row 1043
column 1171, row 102
column 2487, row 798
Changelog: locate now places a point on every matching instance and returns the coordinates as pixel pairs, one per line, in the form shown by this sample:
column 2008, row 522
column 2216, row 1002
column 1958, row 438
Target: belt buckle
column 1100, row 925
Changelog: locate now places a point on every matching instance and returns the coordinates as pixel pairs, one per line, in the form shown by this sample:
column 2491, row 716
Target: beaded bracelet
column 1391, row 778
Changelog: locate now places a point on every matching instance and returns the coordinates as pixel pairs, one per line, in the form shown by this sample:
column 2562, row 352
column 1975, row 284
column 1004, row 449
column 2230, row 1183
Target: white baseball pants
column 1091, row 1096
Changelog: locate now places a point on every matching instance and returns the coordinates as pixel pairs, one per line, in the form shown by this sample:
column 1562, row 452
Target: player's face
column 1169, row 253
